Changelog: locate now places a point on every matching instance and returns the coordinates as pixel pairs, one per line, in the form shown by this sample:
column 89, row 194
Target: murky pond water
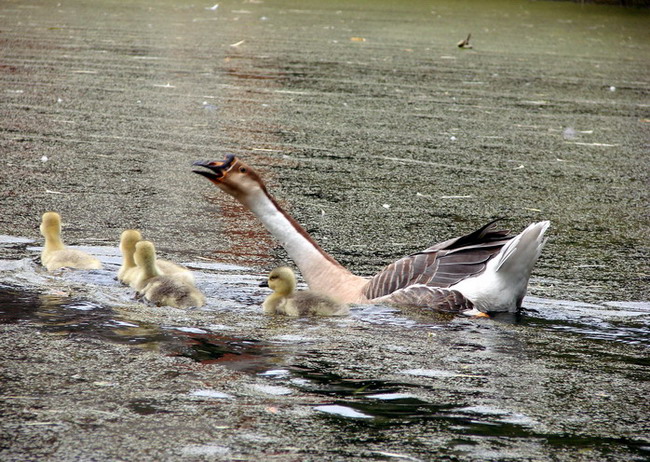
column 381, row 137
column 286, row 357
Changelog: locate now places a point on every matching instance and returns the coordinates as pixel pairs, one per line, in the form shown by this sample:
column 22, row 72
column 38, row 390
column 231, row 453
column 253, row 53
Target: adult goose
column 285, row 300
column 55, row 254
column 481, row 272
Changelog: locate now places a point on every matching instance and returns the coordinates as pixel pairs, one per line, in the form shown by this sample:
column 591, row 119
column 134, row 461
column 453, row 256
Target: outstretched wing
column 441, row 265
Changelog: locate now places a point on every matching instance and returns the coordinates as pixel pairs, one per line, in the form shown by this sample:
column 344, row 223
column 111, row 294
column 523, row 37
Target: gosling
column 169, row 290
column 55, row 255
column 129, row 271
column 284, row 299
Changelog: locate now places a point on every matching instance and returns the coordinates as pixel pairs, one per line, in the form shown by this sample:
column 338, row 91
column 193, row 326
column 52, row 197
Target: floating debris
column 235, row 45
column 465, row 43
column 596, row 144
column 569, row 133
column 104, row 384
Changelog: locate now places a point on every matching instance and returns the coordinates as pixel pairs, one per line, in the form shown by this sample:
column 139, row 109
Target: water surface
column 381, row 137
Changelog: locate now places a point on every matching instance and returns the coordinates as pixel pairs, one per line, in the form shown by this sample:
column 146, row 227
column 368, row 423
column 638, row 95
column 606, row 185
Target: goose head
column 145, row 254
column 128, row 240
column 233, row 176
column 282, row 280
column 50, row 224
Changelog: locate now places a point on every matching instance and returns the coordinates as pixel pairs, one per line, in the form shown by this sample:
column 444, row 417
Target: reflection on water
column 92, row 304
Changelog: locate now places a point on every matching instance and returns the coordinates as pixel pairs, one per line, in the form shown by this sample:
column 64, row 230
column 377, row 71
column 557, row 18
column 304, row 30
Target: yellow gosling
column 169, row 291
column 128, row 240
column 154, row 286
column 55, row 254
column 285, row 300
column 129, row 271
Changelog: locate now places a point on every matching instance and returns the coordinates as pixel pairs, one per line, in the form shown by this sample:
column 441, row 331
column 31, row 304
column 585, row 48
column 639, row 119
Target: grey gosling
column 169, row 290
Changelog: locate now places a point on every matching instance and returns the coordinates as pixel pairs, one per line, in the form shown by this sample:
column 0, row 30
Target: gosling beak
column 264, row 283
column 218, row 168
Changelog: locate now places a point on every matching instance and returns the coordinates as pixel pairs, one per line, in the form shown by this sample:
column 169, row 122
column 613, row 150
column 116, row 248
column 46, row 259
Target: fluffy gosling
column 129, row 271
column 55, row 254
column 285, row 300
column 169, row 290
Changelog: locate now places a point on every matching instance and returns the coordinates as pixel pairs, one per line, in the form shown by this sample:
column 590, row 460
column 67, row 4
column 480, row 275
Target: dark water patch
column 63, row 315
column 606, row 446
column 16, row 306
column 609, row 327
column 239, row 354
column 473, row 427
column 323, row 382
column 146, row 407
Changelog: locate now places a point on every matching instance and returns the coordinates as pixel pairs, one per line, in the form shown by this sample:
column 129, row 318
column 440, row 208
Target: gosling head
column 50, row 224
column 282, row 280
column 232, row 176
column 145, row 254
column 128, row 240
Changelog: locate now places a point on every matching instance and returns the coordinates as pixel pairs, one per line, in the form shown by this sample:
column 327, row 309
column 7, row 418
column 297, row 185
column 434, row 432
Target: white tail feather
column 524, row 249
column 503, row 284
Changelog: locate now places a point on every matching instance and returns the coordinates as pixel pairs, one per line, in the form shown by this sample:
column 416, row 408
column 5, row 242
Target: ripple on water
column 212, row 394
column 342, row 411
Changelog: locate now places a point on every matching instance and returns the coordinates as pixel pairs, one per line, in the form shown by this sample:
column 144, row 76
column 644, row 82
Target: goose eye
column 242, row 169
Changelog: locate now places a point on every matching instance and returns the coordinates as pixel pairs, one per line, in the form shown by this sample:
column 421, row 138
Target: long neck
column 149, row 269
column 127, row 257
column 52, row 241
column 321, row 272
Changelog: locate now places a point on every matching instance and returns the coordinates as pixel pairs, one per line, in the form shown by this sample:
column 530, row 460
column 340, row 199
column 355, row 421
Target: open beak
column 217, row 169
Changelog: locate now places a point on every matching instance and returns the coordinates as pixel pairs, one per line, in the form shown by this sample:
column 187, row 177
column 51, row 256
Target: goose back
column 171, row 291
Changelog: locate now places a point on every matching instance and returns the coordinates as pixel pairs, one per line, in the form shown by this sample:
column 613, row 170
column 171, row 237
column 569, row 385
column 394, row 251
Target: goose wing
column 441, row 265
column 439, row 299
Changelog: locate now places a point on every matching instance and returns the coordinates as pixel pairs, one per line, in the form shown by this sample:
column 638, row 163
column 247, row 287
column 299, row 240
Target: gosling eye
column 242, row 169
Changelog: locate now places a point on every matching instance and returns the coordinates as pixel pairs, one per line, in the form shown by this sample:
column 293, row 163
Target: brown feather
column 429, row 297
column 441, row 265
